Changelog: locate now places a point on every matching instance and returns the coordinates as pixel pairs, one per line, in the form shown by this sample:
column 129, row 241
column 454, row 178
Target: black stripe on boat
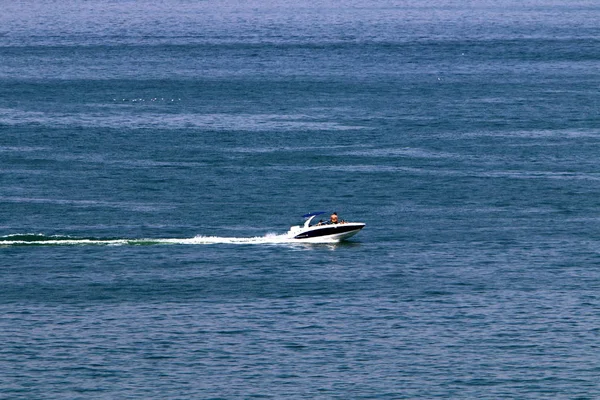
column 334, row 230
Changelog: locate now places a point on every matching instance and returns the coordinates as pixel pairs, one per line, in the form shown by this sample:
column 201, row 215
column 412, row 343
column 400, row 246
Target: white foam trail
column 267, row 239
column 197, row 240
column 65, row 242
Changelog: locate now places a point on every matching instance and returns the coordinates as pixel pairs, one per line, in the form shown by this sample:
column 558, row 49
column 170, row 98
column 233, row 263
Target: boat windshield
column 313, row 214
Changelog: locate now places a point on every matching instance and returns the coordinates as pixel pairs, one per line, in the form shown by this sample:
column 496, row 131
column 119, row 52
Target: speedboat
column 324, row 231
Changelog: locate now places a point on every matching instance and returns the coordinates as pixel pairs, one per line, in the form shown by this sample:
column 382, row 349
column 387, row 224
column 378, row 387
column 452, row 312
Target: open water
column 152, row 153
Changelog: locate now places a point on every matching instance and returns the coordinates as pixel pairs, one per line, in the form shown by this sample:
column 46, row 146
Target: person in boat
column 334, row 218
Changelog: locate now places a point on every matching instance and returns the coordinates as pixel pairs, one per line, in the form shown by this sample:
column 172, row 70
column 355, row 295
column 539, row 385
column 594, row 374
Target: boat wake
column 57, row 240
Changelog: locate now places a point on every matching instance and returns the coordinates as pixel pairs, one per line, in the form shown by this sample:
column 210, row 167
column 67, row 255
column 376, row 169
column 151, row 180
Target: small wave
column 17, row 149
column 84, row 203
column 120, row 119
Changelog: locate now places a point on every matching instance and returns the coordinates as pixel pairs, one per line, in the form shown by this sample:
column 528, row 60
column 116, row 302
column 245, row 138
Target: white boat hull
column 328, row 233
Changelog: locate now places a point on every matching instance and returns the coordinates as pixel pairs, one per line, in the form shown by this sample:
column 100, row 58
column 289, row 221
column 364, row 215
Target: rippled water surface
column 154, row 154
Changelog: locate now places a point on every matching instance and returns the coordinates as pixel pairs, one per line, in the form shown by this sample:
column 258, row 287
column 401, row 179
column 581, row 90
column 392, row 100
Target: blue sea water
column 153, row 153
